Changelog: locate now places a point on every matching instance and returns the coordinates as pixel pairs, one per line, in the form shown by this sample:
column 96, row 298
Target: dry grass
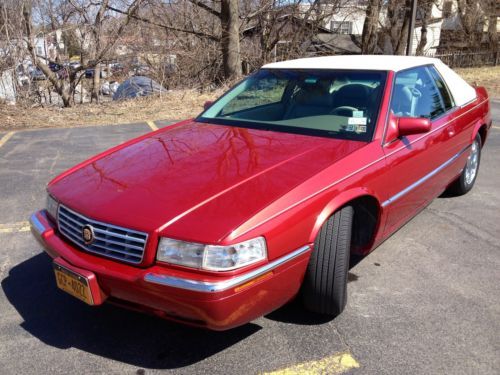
column 174, row 105
column 488, row 76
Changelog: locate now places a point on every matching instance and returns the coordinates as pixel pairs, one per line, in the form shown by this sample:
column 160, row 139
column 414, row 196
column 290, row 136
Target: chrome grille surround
column 110, row 241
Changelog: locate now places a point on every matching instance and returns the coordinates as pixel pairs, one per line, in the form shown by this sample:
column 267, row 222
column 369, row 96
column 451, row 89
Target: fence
column 470, row 59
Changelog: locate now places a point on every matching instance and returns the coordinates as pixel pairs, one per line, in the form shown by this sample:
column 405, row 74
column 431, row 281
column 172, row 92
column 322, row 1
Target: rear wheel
column 324, row 289
column 465, row 181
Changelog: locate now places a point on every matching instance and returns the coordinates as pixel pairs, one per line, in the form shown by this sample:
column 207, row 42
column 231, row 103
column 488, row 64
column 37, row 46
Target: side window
column 416, row 95
column 445, row 93
column 261, row 92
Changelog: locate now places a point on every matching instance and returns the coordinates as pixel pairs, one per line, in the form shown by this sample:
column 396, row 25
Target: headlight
column 52, row 206
column 214, row 258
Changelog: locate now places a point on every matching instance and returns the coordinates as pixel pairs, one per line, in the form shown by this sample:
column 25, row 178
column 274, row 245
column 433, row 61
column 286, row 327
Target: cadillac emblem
column 88, row 234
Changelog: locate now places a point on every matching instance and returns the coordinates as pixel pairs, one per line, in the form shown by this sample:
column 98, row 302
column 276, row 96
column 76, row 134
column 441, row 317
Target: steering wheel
column 415, row 92
column 344, row 110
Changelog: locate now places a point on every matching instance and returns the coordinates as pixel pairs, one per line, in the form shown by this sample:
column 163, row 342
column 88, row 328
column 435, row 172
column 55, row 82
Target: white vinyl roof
column 462, row 92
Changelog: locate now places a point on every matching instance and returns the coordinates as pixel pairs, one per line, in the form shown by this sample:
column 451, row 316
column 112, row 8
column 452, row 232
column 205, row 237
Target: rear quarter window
column 443, row 89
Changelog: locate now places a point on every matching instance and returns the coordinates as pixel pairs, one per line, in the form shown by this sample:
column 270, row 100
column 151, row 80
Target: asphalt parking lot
column 426, row 301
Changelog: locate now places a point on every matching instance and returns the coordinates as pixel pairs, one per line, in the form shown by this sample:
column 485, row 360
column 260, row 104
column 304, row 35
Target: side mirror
column 413, row 125
column 207, row 104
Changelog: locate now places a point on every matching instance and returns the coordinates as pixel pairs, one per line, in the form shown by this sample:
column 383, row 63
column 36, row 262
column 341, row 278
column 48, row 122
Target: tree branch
column 206, row 7
column 167, row 27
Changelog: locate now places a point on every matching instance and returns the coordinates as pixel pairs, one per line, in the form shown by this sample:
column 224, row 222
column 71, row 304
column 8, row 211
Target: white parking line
column 5, row 138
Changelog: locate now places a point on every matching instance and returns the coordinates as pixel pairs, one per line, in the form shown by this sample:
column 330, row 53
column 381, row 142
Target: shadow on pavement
column 61, row 321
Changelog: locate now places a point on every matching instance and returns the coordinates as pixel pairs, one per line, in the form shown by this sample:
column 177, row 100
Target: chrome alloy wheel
column 472, row 163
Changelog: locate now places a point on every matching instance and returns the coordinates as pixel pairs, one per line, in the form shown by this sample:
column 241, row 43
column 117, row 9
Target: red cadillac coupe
column 218, row 220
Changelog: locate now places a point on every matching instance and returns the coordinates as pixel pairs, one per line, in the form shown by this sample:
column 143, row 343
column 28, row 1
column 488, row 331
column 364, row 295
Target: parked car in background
column 218, row 220
column 74, row 65
column 37, row 75
column 55, row 67
column 117, row 68
column 62, row 73
column 141, row 70
column 137, row 86
column 89, row 73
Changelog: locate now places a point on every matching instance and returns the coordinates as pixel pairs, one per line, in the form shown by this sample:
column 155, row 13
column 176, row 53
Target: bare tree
column 184, row 17
column 471, row 20
column 86, row 16
column 60, row 86
column 280, row 29
column 494, row 8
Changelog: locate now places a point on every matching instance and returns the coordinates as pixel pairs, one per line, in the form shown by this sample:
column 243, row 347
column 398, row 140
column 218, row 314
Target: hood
column 195, row 181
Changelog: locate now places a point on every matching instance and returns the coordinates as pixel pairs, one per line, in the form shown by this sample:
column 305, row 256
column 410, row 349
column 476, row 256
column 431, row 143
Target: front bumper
column 216, row 302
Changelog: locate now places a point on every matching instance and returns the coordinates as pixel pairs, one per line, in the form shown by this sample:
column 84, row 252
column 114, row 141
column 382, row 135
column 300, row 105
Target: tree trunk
column 426, row 12
column 230, row 41
column 492, row 27
column 369, row 36
column 96, row 82
column 423, row 39
column 405, row 29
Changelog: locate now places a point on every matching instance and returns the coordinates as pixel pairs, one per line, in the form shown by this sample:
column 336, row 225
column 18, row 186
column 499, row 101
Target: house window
column 447, row 9
column 341, row 27
column 39, row 51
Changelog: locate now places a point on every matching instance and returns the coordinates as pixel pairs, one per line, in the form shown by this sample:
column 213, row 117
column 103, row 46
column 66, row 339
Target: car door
column 416, row 163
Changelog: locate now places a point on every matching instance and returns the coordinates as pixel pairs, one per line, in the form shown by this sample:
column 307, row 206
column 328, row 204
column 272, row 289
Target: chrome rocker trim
column 423, row 179
column 219, row 286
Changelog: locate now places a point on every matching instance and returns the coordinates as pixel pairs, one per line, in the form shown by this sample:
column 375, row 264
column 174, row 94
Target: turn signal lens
column 52, row 206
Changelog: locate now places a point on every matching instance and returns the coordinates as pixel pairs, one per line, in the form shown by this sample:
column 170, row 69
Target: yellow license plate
column 73, row 283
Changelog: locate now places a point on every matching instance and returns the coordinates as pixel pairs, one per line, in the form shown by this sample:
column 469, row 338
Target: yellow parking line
column 5, row 138
column 152, row 125
column 22, row 226
column 335, row 364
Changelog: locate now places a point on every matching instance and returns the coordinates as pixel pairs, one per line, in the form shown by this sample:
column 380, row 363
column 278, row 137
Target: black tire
column 462, row 185
column 324, row 289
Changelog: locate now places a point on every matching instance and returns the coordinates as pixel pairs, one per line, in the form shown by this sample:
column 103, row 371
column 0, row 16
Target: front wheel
column 467, row 178
column 324, row 289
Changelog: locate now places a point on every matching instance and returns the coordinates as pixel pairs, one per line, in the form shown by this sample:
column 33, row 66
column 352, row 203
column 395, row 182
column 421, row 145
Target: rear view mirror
column 413, row 125
column 207, row 104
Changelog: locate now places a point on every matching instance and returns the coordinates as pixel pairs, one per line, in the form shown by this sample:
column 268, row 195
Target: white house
column 438, row 13
column 47, row 45
column 349, row 19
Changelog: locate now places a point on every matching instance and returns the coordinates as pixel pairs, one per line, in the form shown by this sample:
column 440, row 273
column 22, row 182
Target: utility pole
column 411, row 29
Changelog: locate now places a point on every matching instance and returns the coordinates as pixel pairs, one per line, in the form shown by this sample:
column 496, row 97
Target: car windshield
column 330, row 103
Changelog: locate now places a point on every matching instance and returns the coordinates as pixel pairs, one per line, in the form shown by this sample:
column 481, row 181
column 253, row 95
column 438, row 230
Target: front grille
column 110, row 241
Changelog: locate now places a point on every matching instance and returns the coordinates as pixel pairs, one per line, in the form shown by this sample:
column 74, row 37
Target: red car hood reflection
column 196, row 181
